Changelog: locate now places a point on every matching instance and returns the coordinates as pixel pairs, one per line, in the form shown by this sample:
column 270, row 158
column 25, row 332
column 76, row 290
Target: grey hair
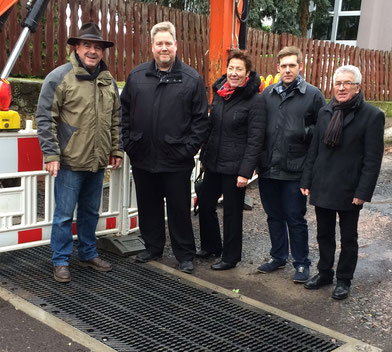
column 352, row 69
column 163, row 27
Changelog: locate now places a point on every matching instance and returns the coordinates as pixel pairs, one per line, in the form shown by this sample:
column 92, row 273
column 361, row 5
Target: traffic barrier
column 27, row 200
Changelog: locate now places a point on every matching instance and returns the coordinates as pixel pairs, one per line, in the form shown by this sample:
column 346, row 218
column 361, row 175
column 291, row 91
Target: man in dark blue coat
column 164, row 123
column 340, row 174
column 291, row 110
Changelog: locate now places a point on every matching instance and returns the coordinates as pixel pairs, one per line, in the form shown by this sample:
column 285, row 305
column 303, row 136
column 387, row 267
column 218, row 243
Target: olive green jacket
column 78, row 120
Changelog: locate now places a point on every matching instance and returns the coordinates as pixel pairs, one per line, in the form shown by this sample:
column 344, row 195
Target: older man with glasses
column 340, row 175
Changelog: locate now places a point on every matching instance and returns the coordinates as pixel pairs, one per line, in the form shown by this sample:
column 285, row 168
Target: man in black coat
column 340, row 175
column 164, row 123
column 291, row 108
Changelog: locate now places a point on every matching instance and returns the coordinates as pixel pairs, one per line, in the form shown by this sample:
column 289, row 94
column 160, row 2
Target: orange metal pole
column 221, row 17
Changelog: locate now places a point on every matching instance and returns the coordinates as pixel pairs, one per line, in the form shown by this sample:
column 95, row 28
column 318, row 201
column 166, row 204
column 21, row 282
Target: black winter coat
column 290, row 124
column 337, row 175
column 164, row 121
column 237, row 133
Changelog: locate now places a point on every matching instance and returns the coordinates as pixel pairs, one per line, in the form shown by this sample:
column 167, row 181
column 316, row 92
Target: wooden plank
column 85, row 6
column 372, row 79
column 112, row 37
column 315, row 62
column 270, row 67
column 129, row 38
column 136, row 34
column 61, row 33
column 368, row 74
column 144, row 32
column 120, row 42
column 73, row 17
column 308, row 68
column 36, row 68
column 283, row 40
column 49, row 37
column 387, row 69
column 159, row 14
column 257, row 44
column 328, row 91
column 276, row 50
column 377, row 72
column 179, row 35
column 95, row 6
column 356, row 56
column 192, row 40
column 341, row 55
column 206, row 43
column 198, row 45
column 324, row 46
column 104, row 25
column 264, row 53
column 319, row 64
column 363, row 69
column 186, row 37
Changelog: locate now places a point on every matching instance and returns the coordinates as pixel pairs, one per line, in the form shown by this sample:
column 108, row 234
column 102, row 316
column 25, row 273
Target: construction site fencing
column 127, row 23
column 27, row 195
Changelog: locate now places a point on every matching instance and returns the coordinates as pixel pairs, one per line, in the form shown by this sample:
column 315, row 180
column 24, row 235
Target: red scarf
column 226, row 90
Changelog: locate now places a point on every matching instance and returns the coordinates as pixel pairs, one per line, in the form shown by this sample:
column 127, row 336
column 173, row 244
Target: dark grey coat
column 337, row 175
column 237, row 133
column 290, row 123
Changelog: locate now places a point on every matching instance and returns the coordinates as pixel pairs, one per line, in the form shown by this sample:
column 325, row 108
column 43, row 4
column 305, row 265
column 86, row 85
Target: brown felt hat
column 89, row 31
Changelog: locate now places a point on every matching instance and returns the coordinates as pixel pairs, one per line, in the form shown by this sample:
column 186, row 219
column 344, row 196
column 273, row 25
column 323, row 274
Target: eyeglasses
column 345, row 84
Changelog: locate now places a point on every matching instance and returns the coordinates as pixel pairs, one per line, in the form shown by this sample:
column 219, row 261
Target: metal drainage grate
column 138, row 308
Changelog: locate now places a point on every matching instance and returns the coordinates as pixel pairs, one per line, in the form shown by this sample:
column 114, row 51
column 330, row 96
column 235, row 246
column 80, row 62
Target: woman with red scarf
column 229, row 158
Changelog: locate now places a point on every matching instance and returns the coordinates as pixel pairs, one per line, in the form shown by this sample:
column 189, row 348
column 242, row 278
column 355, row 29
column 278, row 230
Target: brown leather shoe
column 61, row 273
column 97, row 264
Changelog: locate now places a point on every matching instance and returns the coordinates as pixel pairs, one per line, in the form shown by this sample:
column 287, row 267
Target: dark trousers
column 151, row 189
column 286, row 208
column 326, row 224
column 215, row 184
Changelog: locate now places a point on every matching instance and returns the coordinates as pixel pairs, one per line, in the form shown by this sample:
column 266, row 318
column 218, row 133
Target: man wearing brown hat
column 78, row 129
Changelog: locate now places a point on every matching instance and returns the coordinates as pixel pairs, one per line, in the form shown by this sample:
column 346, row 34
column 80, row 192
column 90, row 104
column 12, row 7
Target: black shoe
column 341, row 290
column 317, row 281
column 146, row 256
column 186, row 267
column 202, row 253
column 223, row 266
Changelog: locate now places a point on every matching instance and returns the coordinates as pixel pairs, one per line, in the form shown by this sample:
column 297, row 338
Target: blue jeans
column 286, row 208
column 70, row 188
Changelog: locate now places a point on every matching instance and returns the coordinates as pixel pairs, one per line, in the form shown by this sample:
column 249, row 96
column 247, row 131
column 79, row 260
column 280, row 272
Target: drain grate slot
column 138, row 308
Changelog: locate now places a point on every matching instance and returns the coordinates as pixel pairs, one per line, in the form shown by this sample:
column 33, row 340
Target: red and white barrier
column 26, row 209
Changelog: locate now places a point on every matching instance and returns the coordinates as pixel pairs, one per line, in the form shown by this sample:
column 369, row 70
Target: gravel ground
column 365, row 315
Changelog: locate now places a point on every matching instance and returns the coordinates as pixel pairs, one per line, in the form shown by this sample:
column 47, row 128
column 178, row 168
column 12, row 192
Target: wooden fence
column 47, row 49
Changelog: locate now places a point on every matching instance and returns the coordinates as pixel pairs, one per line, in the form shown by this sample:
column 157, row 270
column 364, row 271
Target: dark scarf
column 283, row 91
column 226, row 91
column 92, row 75
column 333, row 134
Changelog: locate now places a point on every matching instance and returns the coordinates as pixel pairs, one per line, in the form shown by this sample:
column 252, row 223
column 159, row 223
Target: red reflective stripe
column 110, row 223
column 29, row 235
column 29, row 155
column 194, row 201
column 74, row 229
column 133, row 222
